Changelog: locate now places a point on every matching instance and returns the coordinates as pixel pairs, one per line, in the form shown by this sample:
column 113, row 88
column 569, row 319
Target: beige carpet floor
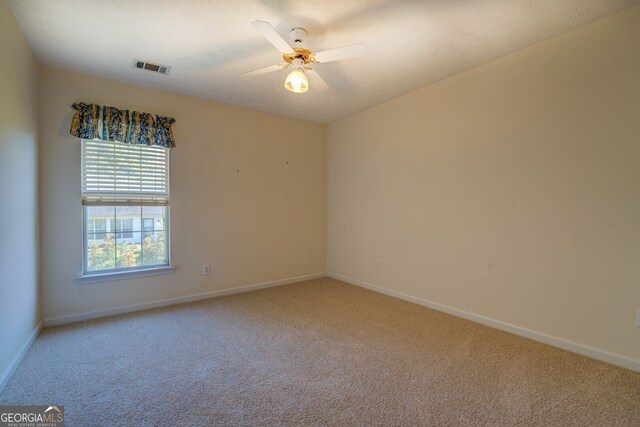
column 320, row 352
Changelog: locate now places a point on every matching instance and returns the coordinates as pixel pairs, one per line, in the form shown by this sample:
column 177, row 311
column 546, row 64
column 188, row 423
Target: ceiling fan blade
column 317, row 83
column 269, row 33
column 346, row 52
column 268, row 69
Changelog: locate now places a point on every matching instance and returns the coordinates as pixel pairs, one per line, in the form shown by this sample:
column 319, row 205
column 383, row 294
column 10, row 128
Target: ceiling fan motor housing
column 297, row 36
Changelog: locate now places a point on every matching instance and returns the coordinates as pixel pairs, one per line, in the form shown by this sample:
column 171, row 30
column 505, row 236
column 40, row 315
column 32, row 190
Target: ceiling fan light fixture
column 296, row 55
column 296, row 81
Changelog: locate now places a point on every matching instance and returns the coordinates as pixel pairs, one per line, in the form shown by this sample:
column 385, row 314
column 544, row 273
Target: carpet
column 320, row 352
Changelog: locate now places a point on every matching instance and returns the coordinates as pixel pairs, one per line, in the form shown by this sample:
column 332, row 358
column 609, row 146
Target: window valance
column 93, row 121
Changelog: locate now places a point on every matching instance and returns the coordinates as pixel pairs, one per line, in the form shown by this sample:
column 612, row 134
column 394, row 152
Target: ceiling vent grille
column 149, row 66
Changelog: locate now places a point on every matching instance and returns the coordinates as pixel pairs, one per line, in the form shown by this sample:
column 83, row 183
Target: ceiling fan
column 301, row 59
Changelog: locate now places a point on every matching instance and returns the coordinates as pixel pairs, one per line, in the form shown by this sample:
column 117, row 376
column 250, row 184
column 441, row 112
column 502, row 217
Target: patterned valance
column 111, row 124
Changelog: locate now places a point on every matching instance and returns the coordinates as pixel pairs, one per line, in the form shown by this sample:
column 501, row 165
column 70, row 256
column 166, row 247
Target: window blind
column 114, row 173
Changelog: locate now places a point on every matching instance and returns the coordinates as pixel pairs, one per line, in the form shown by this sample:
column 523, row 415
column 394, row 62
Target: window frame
column 128, row 271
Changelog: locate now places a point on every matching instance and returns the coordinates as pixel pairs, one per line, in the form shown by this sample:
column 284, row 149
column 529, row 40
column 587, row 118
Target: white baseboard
column 15, row 362
column 614, row 359
column 172, row 301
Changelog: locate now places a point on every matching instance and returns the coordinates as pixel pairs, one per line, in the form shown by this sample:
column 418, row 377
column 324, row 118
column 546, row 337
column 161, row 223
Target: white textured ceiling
column 209, row 43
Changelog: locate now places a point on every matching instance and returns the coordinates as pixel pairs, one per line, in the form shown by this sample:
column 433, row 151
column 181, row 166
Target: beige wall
column 248, row 196
column 510, row 191
column 19, row 301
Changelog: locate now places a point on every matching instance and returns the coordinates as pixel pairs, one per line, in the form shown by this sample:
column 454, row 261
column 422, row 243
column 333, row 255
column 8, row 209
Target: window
column 97, row 228
column 125, row 198
column 125, row 225
column 147, row 224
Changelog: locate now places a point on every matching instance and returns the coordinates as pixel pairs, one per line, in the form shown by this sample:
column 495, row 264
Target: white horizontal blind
column 114, row 173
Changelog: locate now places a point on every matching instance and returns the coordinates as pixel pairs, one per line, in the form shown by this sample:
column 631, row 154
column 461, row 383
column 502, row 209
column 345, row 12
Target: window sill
column 121, row 275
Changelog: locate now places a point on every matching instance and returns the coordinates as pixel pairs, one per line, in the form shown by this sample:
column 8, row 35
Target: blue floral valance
column 111, row 124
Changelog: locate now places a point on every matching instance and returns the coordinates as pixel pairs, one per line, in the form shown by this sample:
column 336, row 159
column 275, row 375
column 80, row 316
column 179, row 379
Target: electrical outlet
column 206, row 270
column 378, row 264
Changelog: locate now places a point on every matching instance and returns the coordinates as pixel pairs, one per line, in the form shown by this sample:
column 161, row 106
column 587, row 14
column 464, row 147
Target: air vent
column 149, row 66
